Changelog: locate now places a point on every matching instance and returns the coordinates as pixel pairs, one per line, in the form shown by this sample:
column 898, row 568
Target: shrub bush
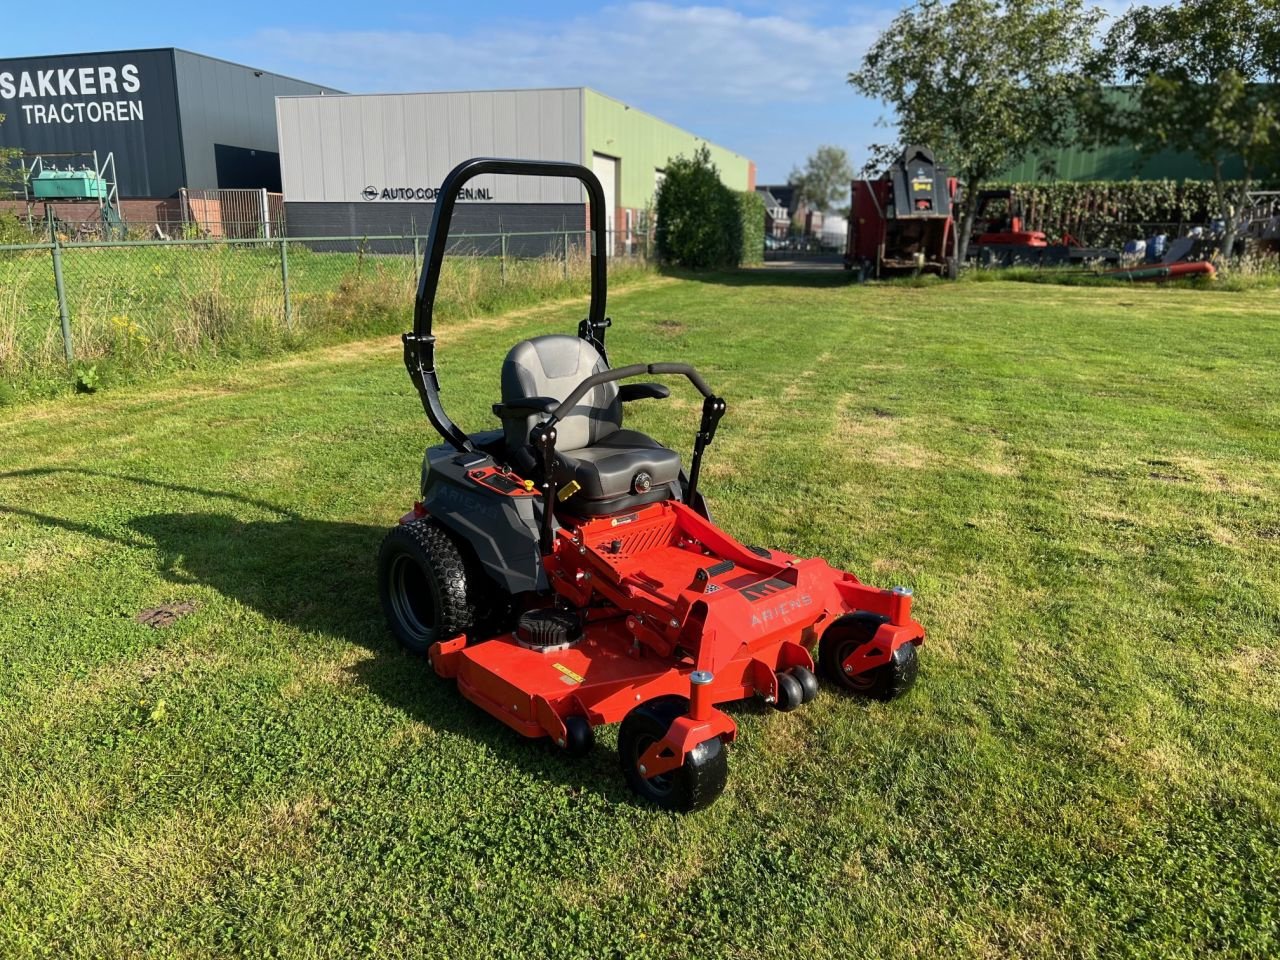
column 751, row 216
column 699, row 218
column 13, row 229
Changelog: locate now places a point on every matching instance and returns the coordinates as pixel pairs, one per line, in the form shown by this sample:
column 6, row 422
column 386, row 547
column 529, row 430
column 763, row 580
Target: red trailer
column 902, row 222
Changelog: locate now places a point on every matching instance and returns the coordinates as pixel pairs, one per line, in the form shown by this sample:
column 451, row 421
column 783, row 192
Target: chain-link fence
column 62, row 302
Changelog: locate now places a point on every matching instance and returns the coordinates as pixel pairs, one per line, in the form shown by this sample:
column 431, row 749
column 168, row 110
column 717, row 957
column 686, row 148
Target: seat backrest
column 552, row 366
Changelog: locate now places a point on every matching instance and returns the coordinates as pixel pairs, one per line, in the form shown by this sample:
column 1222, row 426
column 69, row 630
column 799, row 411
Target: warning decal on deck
column 569, row 675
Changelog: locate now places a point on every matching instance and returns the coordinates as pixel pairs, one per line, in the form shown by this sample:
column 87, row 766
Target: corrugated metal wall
column 355, row 148
column 1083, row 162
column 645, row 144
column 225, row 103
column 1117, row 163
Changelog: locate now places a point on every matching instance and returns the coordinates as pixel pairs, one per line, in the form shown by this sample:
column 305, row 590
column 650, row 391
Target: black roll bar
column 419, row 346
column 622, row 373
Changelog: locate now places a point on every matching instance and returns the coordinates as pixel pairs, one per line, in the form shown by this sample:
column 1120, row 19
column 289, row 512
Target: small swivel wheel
column 790, row 693
column 808, row 682
column 579, row 737
column 796, row 686
column 692, row 785
column 888, row 681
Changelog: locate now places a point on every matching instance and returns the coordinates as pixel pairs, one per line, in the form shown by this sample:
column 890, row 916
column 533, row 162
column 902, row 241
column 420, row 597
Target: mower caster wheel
column 790, row 693
column 691, row 786
column 808, row 682
column 579, row 737
column 885, row 682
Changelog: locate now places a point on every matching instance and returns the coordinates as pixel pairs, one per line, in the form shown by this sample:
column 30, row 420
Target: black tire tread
column 443, row 564
column 885, row 682
column 701, row 778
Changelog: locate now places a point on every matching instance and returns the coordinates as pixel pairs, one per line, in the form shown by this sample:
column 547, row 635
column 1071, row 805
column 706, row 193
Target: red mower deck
column 565, row 571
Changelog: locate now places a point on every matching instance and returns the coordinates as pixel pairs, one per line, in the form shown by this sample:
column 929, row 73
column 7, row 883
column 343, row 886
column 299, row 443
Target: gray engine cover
column 501, row 531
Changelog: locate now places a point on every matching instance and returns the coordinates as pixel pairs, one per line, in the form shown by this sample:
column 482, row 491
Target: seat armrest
column 523, row 406
column 643, row 391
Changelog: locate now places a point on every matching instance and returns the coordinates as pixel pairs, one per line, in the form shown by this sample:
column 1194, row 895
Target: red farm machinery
column 902, row 222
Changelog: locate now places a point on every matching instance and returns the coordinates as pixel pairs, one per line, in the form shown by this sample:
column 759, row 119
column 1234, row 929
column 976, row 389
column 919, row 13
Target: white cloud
column 641, row 50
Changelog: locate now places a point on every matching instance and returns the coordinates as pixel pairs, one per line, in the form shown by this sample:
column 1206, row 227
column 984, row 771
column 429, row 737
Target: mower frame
column 674, row 616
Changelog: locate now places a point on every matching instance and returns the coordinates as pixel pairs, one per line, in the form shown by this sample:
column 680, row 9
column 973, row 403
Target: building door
column 606, row 170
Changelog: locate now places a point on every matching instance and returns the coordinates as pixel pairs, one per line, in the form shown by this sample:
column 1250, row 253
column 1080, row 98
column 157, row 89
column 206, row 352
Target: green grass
column 1082, row 485
column 1238, row 276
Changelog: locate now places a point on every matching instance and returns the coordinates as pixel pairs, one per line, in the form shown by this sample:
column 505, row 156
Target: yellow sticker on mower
column 569, row 675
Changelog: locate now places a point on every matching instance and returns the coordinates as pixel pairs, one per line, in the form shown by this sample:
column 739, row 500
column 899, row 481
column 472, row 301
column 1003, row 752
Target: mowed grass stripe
column 1081, row 484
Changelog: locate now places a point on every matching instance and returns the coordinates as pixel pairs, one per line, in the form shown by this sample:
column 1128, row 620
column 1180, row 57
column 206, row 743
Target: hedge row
column 751, row 212
column 1108, row 212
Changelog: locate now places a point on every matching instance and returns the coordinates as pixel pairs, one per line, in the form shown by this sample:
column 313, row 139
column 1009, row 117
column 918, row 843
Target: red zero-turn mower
column 566, row 572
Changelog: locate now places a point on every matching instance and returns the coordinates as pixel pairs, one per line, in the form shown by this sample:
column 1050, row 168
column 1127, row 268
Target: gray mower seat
column 616, row 469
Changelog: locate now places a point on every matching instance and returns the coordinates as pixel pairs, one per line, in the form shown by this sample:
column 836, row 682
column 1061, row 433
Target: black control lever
column 713, row 409
column 543, row 438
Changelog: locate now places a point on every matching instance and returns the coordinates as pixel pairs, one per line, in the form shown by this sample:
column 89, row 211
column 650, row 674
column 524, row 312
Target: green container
column 69, row 185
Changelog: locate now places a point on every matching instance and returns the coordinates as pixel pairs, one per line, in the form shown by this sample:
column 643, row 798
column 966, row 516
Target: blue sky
column 764, row 79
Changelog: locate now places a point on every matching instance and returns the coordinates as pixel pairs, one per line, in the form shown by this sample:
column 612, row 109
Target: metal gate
column 235, row 214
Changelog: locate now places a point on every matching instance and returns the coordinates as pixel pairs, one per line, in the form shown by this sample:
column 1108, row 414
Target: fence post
column 503, row 268
column 265, row 211
column 63, row 314
column 284, row 283
column 61, row 287
column 566, row 254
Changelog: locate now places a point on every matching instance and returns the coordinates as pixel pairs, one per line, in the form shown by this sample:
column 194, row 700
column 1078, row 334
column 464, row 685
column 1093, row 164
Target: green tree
column 11, row 228
column 8, row 163
column 698, row 216
column 983, row 82
column 824, row 183
column 1204, row 75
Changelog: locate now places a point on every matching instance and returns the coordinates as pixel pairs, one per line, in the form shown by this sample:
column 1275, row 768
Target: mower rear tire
column 691, row 786
column 885, row 682
column 807, row 680
column 790, row 693
column 423, row 584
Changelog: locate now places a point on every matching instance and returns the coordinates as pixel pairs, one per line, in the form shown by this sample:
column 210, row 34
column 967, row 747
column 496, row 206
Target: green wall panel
column 645, row 144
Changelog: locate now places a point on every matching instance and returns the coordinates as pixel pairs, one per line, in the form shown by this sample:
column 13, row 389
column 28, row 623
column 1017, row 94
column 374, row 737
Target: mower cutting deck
column 566, row 573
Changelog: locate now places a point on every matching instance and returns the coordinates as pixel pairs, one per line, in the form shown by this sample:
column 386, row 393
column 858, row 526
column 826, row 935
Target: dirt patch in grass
column 165, row 615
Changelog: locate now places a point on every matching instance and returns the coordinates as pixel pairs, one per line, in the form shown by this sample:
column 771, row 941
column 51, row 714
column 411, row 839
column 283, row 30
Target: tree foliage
column 824, row 181
column 699, row 221
column 8, row 163
column 751, row 217
column 983, row 82
column 1205, row 75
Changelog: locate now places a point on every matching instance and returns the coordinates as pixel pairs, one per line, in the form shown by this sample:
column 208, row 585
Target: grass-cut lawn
column 1082, row 485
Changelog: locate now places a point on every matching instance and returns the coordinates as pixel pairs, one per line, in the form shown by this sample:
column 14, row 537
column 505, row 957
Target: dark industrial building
column 168, row 118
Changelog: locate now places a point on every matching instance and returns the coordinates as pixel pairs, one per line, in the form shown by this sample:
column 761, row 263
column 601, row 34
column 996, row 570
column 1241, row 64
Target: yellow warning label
column 569, row 674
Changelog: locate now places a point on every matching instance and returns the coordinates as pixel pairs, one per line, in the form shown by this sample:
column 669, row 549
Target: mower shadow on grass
column 317, row 576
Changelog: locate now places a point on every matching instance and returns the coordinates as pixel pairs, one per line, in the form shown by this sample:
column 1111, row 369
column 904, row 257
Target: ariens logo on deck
column 765, row 588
